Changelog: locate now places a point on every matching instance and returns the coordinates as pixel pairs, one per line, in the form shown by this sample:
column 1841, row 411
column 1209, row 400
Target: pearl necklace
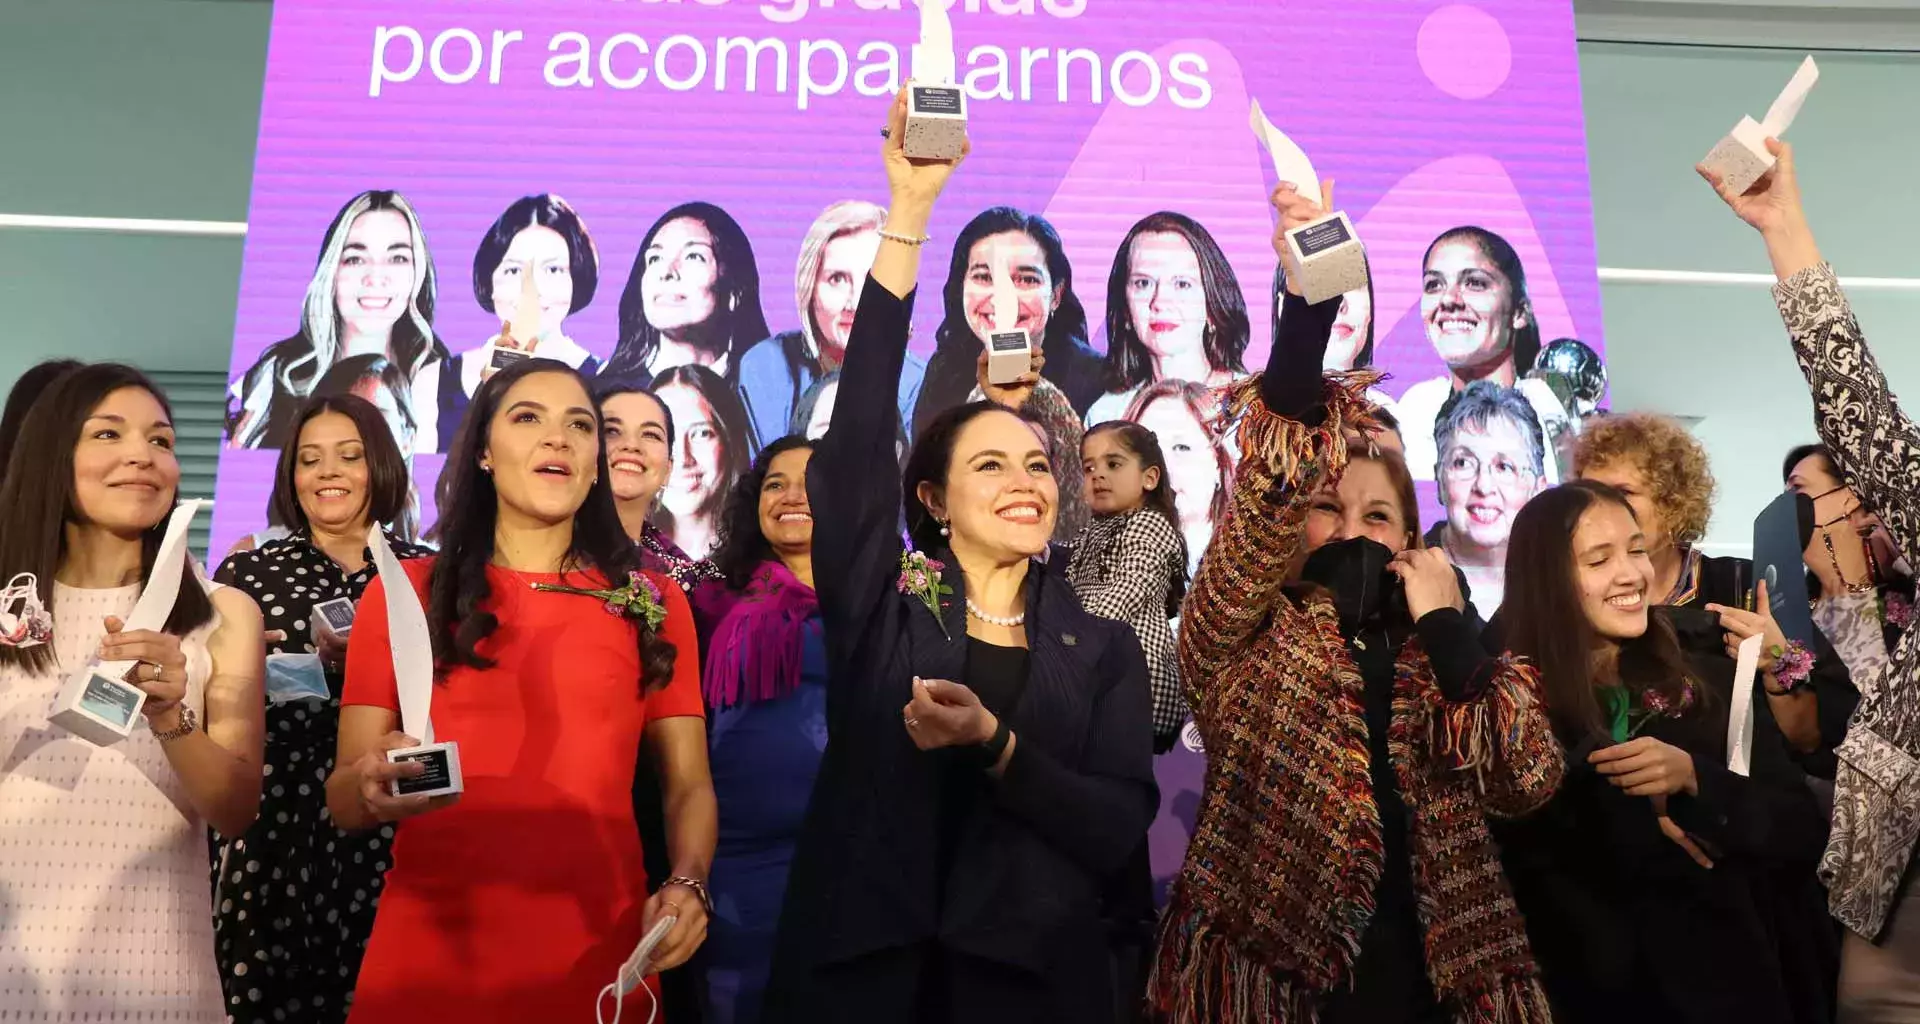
column 1006, row 621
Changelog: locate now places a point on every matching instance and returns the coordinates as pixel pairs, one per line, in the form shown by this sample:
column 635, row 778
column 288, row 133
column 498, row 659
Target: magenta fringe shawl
column 754, row 653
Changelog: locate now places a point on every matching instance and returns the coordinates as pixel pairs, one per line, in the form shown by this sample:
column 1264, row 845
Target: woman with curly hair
column 765, row 683
column 526, row 892
column 1662, row 471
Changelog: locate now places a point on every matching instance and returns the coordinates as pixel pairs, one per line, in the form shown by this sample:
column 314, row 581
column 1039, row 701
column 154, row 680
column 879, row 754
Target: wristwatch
column 987, row 754
column 188, row 722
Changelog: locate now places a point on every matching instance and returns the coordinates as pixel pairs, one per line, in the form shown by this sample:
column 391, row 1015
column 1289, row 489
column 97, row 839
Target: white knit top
column 104, row 905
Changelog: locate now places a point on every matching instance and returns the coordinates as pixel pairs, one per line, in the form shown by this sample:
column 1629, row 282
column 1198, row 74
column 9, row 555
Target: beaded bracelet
column 1792, row 667
column 905, row 239
column 699, row 889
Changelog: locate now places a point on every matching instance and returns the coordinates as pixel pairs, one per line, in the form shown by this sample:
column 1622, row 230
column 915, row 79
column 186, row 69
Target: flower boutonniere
column 1656, row 704
column 639, row 599
column 1899, row 611
column 920, row 577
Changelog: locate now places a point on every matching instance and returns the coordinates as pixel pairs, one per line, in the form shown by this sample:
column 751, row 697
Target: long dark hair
column 742, row 546
column 37, row 499
column 1129, row 365
column 932, row 458
column 737, row 440
column 386, row 466
column 293, row 365
column 457, row 588
column 26, row 389
column 738, row 321
column 1145, row 446
column 1066, row 325
column 1546, row 623
column 1526, row 340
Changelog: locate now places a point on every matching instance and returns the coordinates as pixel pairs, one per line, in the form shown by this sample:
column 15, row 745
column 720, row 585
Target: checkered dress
column 1123, row 568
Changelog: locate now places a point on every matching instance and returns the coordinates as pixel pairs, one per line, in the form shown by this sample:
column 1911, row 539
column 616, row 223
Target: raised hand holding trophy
column 1009, row 347
column 412, row 647
column 522, row 330
column 936, row 108
column 97, row 703
column 1330, row 257
column 1740, row 158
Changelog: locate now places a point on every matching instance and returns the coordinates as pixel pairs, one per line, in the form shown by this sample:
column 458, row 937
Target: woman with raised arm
column 1341, row 868
column 521, row 897
column 103, row 851
column 988, row 769
column 1868, row 867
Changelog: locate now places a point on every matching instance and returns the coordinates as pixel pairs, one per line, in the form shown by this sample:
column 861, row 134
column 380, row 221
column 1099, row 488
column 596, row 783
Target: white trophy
column 96, row 703
column 1741, row 157
column 936, row 108
column 1330, row 257
column 1009, row 347
column 413, row 678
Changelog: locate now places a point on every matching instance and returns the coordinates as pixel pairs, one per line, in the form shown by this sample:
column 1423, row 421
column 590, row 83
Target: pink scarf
column 754, row 653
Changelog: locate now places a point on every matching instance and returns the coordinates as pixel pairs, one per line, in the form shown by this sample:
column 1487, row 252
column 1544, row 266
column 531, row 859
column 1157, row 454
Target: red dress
column 523, row 899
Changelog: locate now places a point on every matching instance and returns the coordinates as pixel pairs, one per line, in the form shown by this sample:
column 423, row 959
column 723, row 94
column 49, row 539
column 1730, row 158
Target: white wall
column 148, row 108
column 1719, row 352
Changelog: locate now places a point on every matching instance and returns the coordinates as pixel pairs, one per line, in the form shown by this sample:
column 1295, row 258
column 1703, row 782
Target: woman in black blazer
column 988, row 770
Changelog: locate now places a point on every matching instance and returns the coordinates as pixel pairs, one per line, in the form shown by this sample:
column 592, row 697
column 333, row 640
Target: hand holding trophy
column 1324, row 258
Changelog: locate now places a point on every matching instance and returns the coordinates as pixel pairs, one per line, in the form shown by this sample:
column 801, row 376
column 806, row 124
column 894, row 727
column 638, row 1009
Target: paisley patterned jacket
column 1876, row 812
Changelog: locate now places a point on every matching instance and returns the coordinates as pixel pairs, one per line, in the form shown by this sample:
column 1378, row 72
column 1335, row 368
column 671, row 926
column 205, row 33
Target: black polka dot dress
column 294, row 897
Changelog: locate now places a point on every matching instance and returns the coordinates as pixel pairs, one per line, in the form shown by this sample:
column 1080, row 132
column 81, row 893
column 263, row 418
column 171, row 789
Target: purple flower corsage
column 639, row 599
column 1792, row 665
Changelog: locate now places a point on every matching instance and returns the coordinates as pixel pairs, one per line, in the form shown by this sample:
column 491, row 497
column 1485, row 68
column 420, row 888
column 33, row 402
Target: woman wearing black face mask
column 1336, row 680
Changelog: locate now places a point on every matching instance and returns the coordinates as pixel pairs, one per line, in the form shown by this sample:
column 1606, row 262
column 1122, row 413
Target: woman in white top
column 1473, row 301
column 105, row 911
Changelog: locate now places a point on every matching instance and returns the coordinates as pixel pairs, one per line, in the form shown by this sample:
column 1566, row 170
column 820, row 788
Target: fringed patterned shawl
column 754, row 651
column 1277, row 890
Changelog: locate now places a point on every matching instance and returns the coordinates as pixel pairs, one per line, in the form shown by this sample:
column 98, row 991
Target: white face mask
column 633, row 974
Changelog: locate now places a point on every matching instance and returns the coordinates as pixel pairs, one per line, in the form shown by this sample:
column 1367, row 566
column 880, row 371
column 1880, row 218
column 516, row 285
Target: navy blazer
column 1078, row 792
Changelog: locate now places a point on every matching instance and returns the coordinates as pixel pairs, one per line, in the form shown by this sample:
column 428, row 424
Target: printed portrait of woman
column 1479, row 320
column 540, row 236
column 1174, row 311
column 692, row 297
column 372, row 293
column 712, row 447
column 1199, row 462
column 1492, row 461
column 828, row 276
column 1049, row 311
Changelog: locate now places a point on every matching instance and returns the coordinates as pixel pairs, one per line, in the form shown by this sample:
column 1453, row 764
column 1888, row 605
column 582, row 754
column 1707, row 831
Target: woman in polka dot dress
column 295, row 896
column 103, row 891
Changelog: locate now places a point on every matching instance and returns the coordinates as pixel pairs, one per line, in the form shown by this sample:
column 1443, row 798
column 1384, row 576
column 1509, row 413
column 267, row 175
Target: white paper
column 157, row 597
column 933, row 55
column 1740, row 716
column 1290, row 162
column 1006, row 305
column 407, row 635
column 1780, row 116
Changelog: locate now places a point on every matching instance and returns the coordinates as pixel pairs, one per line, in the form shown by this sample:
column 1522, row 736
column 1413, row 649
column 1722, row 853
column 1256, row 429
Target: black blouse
column 294, row 897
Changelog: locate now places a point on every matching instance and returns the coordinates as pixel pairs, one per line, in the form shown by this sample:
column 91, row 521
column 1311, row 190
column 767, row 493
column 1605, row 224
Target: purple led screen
column 1093, row 113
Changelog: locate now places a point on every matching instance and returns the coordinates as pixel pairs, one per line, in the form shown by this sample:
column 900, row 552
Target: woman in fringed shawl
column 765, row 679
column 1341, row 868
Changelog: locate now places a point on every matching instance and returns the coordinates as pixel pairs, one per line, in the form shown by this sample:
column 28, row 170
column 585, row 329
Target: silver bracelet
column 905, row 239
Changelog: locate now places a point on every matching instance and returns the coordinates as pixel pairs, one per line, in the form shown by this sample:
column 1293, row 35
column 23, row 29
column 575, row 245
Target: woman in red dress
column 522, row 897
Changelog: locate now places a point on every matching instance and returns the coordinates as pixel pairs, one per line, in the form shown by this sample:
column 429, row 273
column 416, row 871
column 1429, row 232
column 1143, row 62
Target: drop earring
column 944, row 532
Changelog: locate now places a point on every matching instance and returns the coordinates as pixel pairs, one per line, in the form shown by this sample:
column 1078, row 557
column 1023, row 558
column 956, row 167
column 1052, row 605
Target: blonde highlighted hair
column 847, row 217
